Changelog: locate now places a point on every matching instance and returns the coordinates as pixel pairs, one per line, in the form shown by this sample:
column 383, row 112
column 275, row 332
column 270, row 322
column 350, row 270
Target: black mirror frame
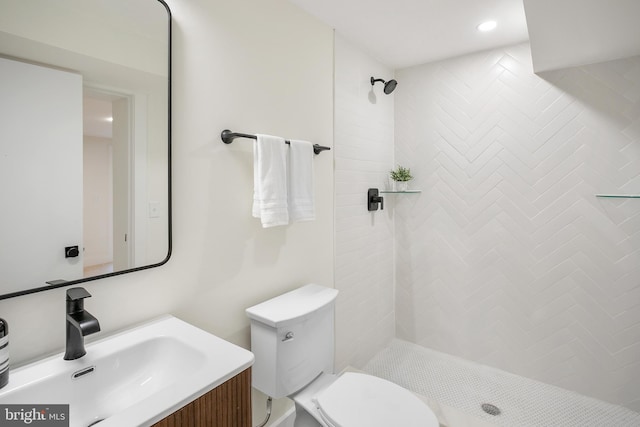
column 65, row 283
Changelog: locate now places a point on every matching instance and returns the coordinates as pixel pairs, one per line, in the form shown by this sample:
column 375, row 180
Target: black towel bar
column 228, row 137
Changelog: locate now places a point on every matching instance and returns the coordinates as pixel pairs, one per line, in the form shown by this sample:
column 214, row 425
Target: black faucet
column 80, row 323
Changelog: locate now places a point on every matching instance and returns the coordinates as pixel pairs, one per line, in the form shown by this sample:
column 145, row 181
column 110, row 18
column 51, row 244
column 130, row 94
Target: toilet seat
column 355, row 400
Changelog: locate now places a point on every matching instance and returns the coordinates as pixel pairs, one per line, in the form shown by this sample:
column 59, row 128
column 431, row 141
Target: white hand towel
column 301, row 200
column 270, row 181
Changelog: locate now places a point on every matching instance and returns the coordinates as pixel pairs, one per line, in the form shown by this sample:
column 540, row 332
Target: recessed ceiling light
column 487, row 26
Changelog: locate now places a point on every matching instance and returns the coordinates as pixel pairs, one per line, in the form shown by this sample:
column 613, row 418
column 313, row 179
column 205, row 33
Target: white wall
column 507, row 258
column 365, row 318
column 251, row 66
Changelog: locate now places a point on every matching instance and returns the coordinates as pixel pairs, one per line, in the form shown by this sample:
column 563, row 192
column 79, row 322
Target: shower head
column 388, row 86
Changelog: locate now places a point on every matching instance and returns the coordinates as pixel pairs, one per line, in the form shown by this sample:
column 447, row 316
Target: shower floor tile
column 456, row 386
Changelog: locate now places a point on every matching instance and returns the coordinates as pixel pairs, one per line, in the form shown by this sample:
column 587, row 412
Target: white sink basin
column 134, row 378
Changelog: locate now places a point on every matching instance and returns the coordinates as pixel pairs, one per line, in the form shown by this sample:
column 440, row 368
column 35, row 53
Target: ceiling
column 403, row 33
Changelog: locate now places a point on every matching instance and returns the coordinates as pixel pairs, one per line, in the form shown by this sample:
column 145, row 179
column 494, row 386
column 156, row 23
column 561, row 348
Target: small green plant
column 401, row 174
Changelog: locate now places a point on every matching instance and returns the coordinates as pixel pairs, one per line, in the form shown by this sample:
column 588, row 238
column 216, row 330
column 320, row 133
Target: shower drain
column 490, row 409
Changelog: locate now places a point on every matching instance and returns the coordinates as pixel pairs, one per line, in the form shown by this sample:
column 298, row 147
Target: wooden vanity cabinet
column 228, row 405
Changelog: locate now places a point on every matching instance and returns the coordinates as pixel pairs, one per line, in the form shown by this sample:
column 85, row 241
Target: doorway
column 107, row 178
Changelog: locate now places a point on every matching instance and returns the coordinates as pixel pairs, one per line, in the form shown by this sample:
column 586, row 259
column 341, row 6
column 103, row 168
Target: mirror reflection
column 84, row 141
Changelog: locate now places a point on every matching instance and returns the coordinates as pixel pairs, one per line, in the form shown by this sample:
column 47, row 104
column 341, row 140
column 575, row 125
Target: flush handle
column 288, row 336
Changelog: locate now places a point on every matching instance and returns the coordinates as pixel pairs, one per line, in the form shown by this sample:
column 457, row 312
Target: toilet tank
column 292, row 339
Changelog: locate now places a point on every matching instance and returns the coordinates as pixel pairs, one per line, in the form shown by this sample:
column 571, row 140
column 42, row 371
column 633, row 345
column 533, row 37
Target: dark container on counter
column 4, row 353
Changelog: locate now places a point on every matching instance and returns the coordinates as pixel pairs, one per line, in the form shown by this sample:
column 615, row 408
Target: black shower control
column 373, row 199
column 71, row 252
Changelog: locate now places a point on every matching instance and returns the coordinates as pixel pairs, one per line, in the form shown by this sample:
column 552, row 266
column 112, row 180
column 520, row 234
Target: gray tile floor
column 465, row 386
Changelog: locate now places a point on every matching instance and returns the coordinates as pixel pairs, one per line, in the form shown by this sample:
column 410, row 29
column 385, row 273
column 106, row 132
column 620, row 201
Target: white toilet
column 292, row 340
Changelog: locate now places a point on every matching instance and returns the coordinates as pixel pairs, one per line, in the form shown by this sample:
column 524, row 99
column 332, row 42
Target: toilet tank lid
column 292, row 306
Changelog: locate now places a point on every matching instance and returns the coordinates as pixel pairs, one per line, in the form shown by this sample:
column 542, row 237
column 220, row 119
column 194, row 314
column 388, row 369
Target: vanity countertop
column 135, row 377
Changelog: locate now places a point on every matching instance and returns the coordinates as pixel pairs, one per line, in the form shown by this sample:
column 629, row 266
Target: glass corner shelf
column 619, row 196
column 401, row 192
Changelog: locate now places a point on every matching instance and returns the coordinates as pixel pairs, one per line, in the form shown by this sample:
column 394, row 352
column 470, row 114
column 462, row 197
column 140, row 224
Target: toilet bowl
column 292, row 339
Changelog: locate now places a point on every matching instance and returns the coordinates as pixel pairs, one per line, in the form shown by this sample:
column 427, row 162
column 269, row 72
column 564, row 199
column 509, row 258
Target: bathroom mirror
column 85, row 164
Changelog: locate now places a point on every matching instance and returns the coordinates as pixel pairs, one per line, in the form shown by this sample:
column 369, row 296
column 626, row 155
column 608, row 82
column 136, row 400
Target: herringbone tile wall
column 363, row 153
column 507, row 258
